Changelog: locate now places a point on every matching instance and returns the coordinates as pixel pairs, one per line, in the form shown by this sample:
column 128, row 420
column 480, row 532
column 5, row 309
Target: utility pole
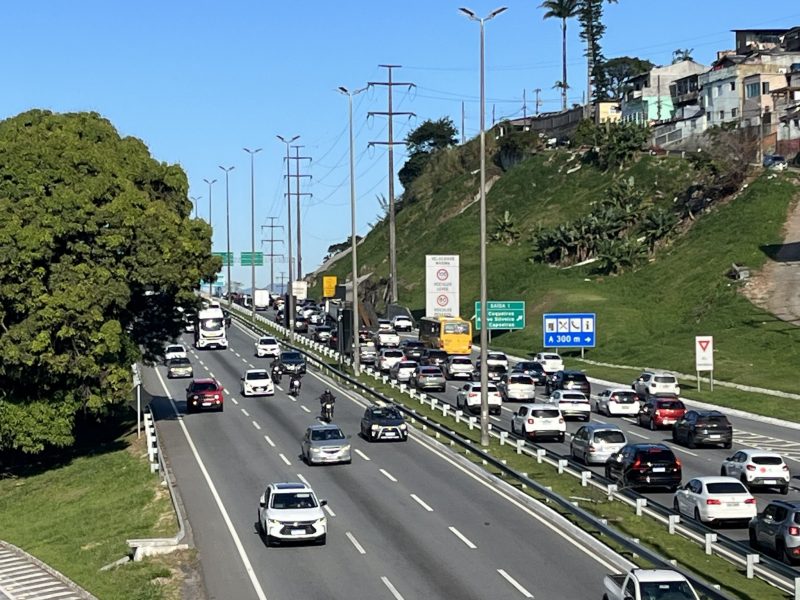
column 290, row 295
column 494, row 106
column 538, row 101
column 272, row 227
column 463, row 135
column 524, row 108
column 282, row 275
column 228, row 230
column 297, row 177
column 252, row 153
column 390, row 114
column 210, row 183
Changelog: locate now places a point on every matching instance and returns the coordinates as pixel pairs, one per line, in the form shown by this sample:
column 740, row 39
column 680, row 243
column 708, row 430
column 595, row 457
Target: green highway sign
column 502, row 314
column 227, row 257
column 252, row 258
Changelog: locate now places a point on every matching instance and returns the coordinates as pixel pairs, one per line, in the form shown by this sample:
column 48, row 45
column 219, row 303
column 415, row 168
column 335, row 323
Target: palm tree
column 682, row 54
column 562, row 9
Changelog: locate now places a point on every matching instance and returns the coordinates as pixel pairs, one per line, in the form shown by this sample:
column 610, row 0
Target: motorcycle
column 276, row 374
column 327, row 411
column 294, row 386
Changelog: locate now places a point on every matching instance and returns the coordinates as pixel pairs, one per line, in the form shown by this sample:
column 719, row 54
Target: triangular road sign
column 703, row 344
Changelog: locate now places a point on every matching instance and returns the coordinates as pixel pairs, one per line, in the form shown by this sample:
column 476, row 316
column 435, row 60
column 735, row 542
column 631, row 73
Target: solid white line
column 422, row 503
column 392, row 589
column 328, row 509
column 515, row 583
column 639, row 435
column 304, row 408
column 284, row 459
column 389, row 476
column 684, row 450
column 256, row 425
column 235, row 401
column 237, row 542
column 245, row 413
column 362, row 455
column 496, row 419
column 269, row 441
column 462, row 537
column 355, row 543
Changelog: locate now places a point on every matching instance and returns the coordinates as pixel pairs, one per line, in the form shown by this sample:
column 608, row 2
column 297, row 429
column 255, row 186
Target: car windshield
column 293, row 500
column 521, row 379
column 670, row 405
column 528, row 366
column 573, row 397
column 609, row 437
column 461, row 361
column 664, row 379
column 179, row 362
column 321, row 435
column 476, row 387
column 767, row 460
column 211, row 324
column 292, row 356
column 414, row 345
column 545, row 413
column 256, row 375
column 496, row 356
column 551, row 356
column 386, row 413
column 407, row 364
column 666, row 590
column 712, row 420
column 574, row 376
column 393, row 354
column 726, row 487
column 267, row 341
column 623, row 397
column 431, row 371
column 204, row 386
column 797, row 517
column 175, row 349
column 323, row 328
column 456, row 328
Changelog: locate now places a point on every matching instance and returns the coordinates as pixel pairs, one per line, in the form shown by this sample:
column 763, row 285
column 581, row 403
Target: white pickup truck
column 649, row 584
column 387, row 338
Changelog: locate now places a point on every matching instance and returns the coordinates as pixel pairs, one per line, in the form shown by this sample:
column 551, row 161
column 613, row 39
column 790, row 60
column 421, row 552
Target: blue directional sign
column 569, row 330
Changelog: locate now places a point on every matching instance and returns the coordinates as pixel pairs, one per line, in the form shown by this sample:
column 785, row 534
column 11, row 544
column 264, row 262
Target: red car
column 661, row 411
column 203, row 394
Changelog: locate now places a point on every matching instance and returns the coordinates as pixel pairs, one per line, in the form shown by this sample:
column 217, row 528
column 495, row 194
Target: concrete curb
column 49, row 570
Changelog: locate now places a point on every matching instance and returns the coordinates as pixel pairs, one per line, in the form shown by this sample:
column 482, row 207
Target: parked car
column 468, row 398
column 204, row 394
column 715, row 500
column 267, row 345
column 536, row 421
column 291, row 361
column 517, row 387
column 179, row 367
column 458, row 366
column 569, row 380
column 413, row 349
column 758, row 469
column 777, row 528
column 388, row 357
column 402, row 323
column 645, row 466
column 596, row 442
column 257, row 382
column 532, row 369
column 572, row 404
column 429, row 378
column 325, row 444
column 291, row 512
column 174, row 351
column 656, row 383
column 617, row 402
column 703, row 427
column 403, row 370
column 322, row 333
column 660, row 411
column 434, row 357
column 550, row 361
column 383, row 422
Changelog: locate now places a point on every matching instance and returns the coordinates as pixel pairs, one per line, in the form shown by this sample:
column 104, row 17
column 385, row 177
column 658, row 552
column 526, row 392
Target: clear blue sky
column 198, row 80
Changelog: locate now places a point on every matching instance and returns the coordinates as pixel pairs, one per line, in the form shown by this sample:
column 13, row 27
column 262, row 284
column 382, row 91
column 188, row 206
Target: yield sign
column 704, row 353
column 703, row 344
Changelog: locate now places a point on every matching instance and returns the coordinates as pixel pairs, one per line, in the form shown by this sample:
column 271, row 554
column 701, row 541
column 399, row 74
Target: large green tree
column 98, row 251
column 562, row 9
column 618, row 70
column 421, row 143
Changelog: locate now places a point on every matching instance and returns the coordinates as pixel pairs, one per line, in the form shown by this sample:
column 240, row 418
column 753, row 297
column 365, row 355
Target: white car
column 517, row 386
column 458, row 366
column 497, row 359
column 402, row 323
column 572, row 404
column 257, row 382
column 757, row 468
column 267, row 346
column 538, row 420
column 715, row 499
column 617, row 402
column 316, row 318
column 403, row 370
column 656, row 383
column 550, row 361
column 291, row 512
column 387, row 338
column 469, row 398
column 384, row 325
column 388, row 357
column 175, row 351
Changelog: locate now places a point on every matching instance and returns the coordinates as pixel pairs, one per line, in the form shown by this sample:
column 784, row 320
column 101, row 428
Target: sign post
column 704, row 357
column 442, row 285
column 502, row 315
column 569, row 330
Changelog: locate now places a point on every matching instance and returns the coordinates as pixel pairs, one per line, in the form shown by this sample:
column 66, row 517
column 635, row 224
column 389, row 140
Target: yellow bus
column 451, row 334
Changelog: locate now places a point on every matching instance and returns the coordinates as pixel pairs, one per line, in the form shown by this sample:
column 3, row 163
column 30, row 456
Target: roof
column 658, row 575
column 291, row 485
column 204, row 380
column 715, row 479
column 323, row 427
column 540, row 405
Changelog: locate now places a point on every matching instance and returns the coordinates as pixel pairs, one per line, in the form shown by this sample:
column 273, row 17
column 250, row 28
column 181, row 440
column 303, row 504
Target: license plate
column 715, row 436
column 771, row 481
column 659, row 469
column 298, row 532
column 668, row 421
column 206, row 403
column 390, row 434
column 734, row 503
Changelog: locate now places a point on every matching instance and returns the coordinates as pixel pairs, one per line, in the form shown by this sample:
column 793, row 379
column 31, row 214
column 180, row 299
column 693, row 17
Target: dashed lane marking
column 388, row 475
column 421, row 502
column 355, row 543
column 245, row 413
column 391, row 588
column 462, row 537
column 361, row 454
column 256, row 425
column 284, row 459
column 304, row 408
column 515, row 583
column 269, row 441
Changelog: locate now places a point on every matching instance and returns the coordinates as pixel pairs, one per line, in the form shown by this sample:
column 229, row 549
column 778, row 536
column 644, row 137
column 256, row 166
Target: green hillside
column 647, row 316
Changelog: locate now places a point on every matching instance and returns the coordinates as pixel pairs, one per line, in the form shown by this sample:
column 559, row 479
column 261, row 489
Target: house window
column 722, row 115
column 765, row 87
column 733, row 86
column 751, row 90
column 694, row 124
column 734, row 112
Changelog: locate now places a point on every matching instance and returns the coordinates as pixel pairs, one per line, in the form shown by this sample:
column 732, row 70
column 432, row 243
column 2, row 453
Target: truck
column 387, row 339
column 209, row 328
column 261, row 299
column 649, row 584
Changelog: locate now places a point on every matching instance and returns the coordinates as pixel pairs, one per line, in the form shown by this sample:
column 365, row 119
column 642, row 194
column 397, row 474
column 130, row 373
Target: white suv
column 550, row 361
column 402, row 323
column 389, row 357
column 538, row 420
column 757, row 468
column 458, row 366
column 267, row 346
column 656, row 383
column 291, row 512
column 469, row 398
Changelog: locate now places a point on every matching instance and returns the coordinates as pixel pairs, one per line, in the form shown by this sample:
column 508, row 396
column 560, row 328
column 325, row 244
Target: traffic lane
column 241, row 463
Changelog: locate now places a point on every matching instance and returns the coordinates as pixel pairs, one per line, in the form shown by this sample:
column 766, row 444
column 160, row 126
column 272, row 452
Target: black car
column 383, row 422
column 645, row 466
column 413, row 349
column 703, row 427
column 291, row 362
column 533, row 370
column 433, row 357
column 575, row 381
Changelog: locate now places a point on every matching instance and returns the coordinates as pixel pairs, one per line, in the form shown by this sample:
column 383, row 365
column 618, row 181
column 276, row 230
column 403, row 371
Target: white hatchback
column 389, row 357
column 497, row 359
column 402, row 323
column 517, row 386
column 656, row 383
column 267, row 346
column 469, row 398
column 257, row 382
column 572, row 404
column 174, row 351
column 617, row 402
column 550, row 361
column 537, row 421
column 715, row 499
column 757, row 468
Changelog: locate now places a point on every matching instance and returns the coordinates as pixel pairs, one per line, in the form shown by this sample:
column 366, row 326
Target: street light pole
column 290, row 311
column 210, row 183
column 484, row 286
column 252, row 154
column 195, row 200
column 354, row 276
column 228, row 231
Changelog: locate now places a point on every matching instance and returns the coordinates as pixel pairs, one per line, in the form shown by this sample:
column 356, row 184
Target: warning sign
column 704, row 353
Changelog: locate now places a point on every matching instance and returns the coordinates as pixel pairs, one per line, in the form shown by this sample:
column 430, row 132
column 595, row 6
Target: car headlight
column 317, row 450
column 273, row 523
column 346, row 448
column 403, row 426
column 320, row 522
column 375, row 427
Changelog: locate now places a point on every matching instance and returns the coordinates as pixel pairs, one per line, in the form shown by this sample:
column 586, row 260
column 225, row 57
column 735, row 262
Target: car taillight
column 713, row 501
column 750, row 501
column 561, row 420
column 794, row 530
column 472, row 394
column 785, row 468
column 531, row 421
column 657, row 412
column 751, row 467
column 677, row 462
column 636, row 464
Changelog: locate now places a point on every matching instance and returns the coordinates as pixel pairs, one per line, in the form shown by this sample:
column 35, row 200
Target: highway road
column 405, row 520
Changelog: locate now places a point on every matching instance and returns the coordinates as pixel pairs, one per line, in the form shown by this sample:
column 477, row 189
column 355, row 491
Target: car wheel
column 690, row 441
column 697, row 515
column 270, row 541
column 675, row 506
column 513, row 427
column 784, row 489
column 608, row 473
column 652, row 424
column 561, row 437
column 723, row 472
column 221, row 408
column 751, row 534
column 674, row 436
column 728, row 445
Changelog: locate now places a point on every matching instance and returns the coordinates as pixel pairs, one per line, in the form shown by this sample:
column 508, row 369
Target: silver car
column 325, row 444
column 403, row 370
column 596, row 442
column 517, row 386
column 428, row 377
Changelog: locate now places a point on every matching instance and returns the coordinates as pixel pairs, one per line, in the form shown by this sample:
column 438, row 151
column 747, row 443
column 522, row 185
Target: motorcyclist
column 294, row 383
column 327, row 401
column 276, row 372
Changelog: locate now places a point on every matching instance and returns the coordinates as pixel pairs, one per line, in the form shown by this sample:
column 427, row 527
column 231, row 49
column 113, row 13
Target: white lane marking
column 269, row 441
column 421, row 502
column 328, row 509
column 279, row 387
column 237, row 354
column 303, row 479
column 515, row 583
column 226, row 391
column 355, row 543
column 235, row 401
column 639, row 435
column 304, row 408
column 462, row 537
column 284, row 459
column 251, row 365
column 684, row 450
column 202, row 363
column 362, row 455
column 210, row 372
column 392, row 589
column 388, row 475
column 248, row 567
column 245, row 413
column 256, row 425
